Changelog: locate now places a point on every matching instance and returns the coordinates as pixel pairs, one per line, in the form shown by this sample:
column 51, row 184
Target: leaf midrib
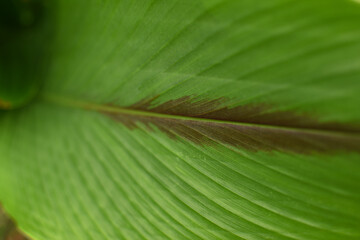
column 81, row 104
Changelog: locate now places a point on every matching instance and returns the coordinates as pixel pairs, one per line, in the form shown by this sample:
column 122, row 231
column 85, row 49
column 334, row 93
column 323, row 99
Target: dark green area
column 25, row 35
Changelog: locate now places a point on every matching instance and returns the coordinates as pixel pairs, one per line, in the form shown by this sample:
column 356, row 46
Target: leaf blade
column 84, row 176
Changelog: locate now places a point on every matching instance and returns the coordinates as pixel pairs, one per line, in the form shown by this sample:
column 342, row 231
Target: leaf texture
column 219, row 119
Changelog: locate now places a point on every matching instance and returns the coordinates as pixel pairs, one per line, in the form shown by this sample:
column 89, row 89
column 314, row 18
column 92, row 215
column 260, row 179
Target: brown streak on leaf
column 251, row 113
column 251, row 127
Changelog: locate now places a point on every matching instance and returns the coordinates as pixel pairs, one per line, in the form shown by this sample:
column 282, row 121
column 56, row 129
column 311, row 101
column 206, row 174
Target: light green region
column 70, row 173
column 80, row 175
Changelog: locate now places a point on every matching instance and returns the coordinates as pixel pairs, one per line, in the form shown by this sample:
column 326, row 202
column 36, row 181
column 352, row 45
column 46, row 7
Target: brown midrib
column 75, row 103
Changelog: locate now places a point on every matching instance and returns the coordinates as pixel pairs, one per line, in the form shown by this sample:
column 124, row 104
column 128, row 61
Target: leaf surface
column 192, row 119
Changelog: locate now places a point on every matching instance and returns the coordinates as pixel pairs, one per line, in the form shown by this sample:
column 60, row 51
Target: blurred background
column 8, row 230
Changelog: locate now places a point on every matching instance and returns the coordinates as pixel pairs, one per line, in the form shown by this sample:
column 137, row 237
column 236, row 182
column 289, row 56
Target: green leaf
column 191, row 119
